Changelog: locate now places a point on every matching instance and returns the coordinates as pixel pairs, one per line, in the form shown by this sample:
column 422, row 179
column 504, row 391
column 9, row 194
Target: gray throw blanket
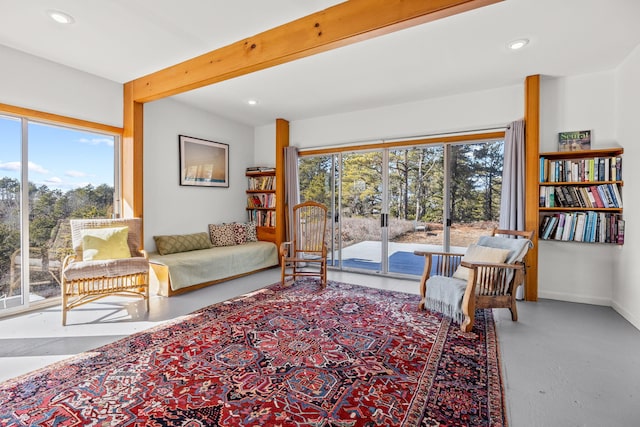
column 444, row 295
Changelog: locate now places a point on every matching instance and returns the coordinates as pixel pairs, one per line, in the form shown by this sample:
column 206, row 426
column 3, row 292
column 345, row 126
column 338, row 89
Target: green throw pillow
column 182, row 243
column 105, row 243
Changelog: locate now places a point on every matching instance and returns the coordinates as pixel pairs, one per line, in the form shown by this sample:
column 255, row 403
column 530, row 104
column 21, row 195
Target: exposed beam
column 340, row 25
column 532, row 150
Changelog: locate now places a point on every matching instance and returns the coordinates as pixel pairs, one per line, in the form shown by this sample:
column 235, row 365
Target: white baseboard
column 626, row 314
column 562, row 296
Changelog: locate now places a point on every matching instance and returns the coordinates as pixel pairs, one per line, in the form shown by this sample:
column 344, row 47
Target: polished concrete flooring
column 564, row 364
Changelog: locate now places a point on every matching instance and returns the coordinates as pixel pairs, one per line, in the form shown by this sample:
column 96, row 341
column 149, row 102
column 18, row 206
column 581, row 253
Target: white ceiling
column 122, row 40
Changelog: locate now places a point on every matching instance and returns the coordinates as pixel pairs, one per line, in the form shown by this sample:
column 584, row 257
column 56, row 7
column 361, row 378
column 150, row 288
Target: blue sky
column 60, row 158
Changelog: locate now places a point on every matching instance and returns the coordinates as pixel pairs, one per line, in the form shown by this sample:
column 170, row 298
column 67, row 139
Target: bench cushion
column 206, row 265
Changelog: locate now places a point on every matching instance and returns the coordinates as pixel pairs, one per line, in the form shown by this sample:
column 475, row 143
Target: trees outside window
column 69, row 174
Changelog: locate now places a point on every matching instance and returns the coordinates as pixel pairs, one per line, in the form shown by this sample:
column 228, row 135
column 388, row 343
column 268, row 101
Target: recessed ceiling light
column 252, row 102
column 60, row 17
column 517, row 44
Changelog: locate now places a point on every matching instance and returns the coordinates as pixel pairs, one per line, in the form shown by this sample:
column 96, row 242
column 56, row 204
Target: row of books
column 261, row 200
column 581, row 170
column 601, row 227
column 262, row 182
column 583, row 196
column 260, row 169
column 263, row 218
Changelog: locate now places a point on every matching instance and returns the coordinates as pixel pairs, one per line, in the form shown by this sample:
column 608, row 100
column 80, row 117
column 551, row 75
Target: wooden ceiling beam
column 340, row 25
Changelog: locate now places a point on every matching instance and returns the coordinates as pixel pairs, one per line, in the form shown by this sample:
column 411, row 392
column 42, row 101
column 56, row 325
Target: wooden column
column 532, row 150
column 132, row 156
column 282, row 141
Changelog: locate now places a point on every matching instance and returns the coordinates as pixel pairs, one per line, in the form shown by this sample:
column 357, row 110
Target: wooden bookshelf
column 261, row 202
column 580, row 196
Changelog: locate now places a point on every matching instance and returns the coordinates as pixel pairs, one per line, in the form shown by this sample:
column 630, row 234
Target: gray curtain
column 512, row 203
column 291, row 187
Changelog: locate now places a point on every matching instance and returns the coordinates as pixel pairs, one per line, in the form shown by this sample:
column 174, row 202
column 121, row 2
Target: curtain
column 512, row 202
column 291, row 187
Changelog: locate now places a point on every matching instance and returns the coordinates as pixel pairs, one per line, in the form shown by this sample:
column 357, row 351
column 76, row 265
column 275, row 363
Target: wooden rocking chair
column 308, row 246
column 487, row 276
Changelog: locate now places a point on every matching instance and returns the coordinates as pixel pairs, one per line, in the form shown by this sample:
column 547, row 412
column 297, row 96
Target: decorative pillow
column 477, row 253
column 252, row 234
column 222, row 234
column 172, row 244
column 239, row 233
column 105, row 243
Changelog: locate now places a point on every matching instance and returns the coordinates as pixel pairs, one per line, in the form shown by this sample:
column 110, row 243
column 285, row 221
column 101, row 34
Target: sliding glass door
column 416, row 200
column 388, row 203
column 48, row 174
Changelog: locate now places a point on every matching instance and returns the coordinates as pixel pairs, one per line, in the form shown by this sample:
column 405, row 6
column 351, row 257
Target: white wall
column 173, row 209
column 477, row 110
column 30, row 82
column 626, row 291
column 578, row 272
column 265, row 146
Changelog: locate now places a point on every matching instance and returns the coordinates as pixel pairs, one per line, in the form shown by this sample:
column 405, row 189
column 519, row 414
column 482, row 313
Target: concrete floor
column 564, row 364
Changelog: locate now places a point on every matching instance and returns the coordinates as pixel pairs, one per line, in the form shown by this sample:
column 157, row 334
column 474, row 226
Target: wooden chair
column 308, row 246
column 487, row 285
column 85, row 281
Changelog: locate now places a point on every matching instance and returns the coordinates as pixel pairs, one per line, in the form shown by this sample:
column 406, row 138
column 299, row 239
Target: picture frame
column 203, row 163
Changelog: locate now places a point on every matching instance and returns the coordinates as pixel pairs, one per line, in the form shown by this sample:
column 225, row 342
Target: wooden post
column 282, row 141
column 532, row 150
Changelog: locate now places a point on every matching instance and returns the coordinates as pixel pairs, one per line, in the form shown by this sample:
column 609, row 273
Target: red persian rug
column 297, row 356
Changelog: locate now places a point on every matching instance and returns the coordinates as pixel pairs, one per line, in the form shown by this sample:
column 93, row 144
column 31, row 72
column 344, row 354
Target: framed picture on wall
column 203, row 163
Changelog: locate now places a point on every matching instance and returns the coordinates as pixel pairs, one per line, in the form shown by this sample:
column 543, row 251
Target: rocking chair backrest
column 310, row 224
column 496, row 281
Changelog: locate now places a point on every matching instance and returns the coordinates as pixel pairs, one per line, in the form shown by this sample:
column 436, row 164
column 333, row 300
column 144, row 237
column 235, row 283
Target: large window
column 48, row 174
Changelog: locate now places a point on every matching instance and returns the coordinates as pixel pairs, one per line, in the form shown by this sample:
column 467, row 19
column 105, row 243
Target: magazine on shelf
column 574, row 141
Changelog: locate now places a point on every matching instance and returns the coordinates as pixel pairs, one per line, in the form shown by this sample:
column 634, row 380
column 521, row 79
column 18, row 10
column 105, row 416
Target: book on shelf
column 262, row 218
column 620, row 232
column 574, row 141
column 589, row 226
column 581, row 170
column 572, row 196
column 257, row 183
column 260, row 169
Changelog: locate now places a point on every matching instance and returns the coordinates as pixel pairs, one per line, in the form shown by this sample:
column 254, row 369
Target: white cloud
column 15, row 166
column 76, row 174
column 97, row 141
column 53, row 180
column 10, row 166
column 33, row 167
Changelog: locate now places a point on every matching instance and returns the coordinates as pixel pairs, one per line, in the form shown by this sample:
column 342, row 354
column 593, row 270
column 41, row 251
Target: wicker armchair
column 482, row 284
column 85, row 280
column 309, row 244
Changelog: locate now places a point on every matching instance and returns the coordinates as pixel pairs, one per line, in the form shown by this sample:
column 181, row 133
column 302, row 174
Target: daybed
column 192, row 261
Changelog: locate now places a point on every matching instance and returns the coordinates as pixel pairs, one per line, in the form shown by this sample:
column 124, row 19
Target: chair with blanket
column 107, row 261
column 486, row 276
column 309, row 244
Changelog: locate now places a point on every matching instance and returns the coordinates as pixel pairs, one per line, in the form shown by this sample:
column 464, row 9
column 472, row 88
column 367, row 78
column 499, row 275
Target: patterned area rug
column 296, row 356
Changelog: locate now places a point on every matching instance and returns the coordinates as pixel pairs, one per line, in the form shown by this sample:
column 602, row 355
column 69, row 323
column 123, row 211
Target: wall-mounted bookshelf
column 581, row 196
